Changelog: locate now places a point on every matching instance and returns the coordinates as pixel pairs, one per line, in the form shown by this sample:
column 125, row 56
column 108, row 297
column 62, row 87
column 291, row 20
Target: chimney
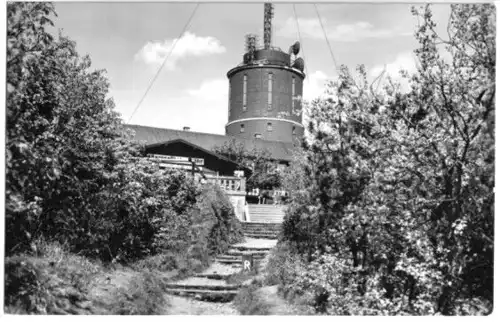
column 186, row 128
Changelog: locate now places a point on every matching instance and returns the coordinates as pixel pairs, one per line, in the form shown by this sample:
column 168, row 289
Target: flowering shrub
column 397, row 212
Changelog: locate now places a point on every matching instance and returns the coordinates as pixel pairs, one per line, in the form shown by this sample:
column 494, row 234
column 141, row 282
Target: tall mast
column 268, row 16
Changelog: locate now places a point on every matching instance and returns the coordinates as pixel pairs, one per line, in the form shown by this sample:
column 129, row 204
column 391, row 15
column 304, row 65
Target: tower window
column 293, row 92
column 269, row 127
column 293, row 130
column 242, row 128
column 258, row 135
column 229, row 99
column 270, row 91
column 245, row 92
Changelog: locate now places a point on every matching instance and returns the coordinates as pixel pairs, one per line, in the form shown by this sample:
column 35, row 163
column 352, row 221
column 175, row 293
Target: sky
column 131, row 40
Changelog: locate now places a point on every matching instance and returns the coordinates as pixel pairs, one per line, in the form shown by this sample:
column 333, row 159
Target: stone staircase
column 265, row 213
column 211, row 284
column 261, row 230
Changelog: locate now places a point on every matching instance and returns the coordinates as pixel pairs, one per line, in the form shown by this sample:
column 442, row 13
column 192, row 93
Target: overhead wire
column 300, row 40
column 326, row 38
column 164, row 62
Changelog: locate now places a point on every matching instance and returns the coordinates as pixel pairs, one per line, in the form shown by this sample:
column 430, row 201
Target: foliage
column 264, row 173
column 282, row 266
column 397, row 215
column 214, row 204
column 143, row 296
column 248, row 302
column 58, row 282
column 144, row 211
column 62, row 134
column 52, row 282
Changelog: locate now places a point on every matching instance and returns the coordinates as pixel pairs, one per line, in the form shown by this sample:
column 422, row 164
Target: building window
column 269, row 127
column 242, row 128
column 258, row 135
column 270, row 91
column 245, row 92
column 293, row 130
column 229, row 99
column 293, row 93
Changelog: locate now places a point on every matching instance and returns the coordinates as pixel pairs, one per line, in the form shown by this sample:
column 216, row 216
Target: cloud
column 311, row 28
column 405, row 61
column 211, row 90
column 189, row 44
column 315, row 85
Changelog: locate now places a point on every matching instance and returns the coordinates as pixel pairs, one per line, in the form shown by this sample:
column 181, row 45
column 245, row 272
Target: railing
column 228, row 183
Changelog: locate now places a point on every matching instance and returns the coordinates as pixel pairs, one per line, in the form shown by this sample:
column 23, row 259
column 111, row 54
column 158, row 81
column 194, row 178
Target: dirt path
column 188, row 306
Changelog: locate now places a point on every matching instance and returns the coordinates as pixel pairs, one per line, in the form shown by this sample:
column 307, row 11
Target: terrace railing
column 228, row 183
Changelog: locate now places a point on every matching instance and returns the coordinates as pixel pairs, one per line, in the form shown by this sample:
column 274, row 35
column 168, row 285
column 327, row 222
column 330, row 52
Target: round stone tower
column 265, row 92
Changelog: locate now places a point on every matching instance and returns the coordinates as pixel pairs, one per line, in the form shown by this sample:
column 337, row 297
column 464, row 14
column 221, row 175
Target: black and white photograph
column 249, row 158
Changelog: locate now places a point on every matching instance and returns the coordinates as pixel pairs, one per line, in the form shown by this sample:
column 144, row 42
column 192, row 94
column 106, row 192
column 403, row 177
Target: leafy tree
column 62, row 134
column 399, row 210
column 264, row 174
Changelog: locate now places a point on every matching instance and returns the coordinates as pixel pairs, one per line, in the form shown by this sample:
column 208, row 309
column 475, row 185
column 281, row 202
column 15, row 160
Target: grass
column 144, row 295
column 249, row 302
column 172, row 265
column 54, row 281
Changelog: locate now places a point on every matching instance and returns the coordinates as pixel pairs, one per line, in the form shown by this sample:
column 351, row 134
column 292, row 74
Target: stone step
column 263, row 235
column 269, row 226
column 266, row 212
column 257, row 212
column 206, row 295
column 261, row 231
column 235, row 261
column 264, row 231
column 239, row 253
column 237, row 258
column 266, row 236
column 272, row 221
column 251, row 248
column 262, row 225
column 267, row 207
column 228, row 257
column 228, row 261
column 222, row 286
column 215, row 276
column 252, row 223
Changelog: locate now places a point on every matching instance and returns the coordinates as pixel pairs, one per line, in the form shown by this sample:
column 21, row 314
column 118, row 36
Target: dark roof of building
column 180, row 140
column 281, row 151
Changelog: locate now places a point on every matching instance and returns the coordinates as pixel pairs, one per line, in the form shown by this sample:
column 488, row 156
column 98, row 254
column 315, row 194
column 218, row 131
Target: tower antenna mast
column 268, row 16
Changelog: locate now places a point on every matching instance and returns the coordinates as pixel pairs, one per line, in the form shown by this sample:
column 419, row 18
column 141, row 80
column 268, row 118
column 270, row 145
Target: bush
column 226, row 230
column 54, row 282
column 58, row 282
column 280, row 269
column 248, row 302
column 144, row 295
column 186, row 242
